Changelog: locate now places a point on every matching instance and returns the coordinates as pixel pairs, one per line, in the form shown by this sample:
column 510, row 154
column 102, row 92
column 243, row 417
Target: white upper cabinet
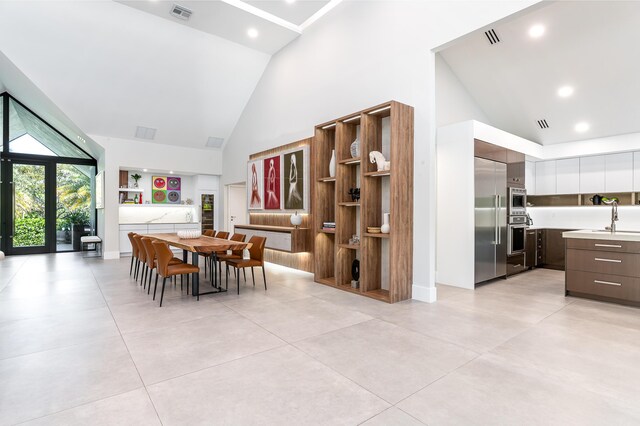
column 568, row 176
column 592, row 174
column 546, row 177
column 636, row 171
column 530, row 176
column 618, row 172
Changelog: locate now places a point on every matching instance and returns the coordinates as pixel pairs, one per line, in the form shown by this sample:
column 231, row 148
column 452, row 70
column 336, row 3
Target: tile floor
column 81, row 343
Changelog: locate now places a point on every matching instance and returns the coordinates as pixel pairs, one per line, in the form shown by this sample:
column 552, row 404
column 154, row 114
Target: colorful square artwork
column 272, row 195
column 166, row 189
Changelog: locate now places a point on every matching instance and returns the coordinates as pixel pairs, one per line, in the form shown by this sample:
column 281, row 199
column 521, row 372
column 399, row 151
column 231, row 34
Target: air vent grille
column 145, row 133
column 492, row 36
column 214, row 142
column 181, row 12
column 543, row 124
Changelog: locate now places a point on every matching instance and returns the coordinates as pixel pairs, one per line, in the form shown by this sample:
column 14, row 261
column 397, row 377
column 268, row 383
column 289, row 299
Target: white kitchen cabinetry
column 151, row 228
column 618, row 172
column 568, row 176
column 636, row 171
column 592, row 174
column 546, row 177
column 530, row 177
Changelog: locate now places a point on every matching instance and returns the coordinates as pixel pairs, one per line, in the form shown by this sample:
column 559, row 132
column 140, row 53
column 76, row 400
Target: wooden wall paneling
column 401, row 249
column 123, row 179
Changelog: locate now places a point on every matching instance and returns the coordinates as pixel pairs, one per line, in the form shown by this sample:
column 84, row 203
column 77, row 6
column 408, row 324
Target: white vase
column 332, row 164
column 385, row 228
column 296, row 219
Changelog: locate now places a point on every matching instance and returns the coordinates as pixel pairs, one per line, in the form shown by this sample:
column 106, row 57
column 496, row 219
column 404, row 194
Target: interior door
column 236, row 206
column 29, row 225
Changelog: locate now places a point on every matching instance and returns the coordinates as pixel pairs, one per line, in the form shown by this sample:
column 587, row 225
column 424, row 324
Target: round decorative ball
column 296, row 219
column 1, row 255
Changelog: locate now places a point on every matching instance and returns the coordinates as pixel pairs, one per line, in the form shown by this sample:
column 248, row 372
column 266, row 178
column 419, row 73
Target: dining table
column 197, row 246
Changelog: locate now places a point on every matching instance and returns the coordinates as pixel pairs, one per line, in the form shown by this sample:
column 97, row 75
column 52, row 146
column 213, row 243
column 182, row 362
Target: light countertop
column 603, row 235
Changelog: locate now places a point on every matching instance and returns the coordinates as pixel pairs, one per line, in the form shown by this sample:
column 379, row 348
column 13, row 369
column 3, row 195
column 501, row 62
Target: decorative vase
column 332, row 164
column 296, row 219
column 385, row 228
column 355, row 148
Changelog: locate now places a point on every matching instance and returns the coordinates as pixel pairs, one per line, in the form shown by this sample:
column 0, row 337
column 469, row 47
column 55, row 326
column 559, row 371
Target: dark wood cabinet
column 554, row 249
column 531, row 248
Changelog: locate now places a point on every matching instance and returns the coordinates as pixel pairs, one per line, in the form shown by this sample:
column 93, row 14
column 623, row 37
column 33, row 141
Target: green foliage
column 29, row 231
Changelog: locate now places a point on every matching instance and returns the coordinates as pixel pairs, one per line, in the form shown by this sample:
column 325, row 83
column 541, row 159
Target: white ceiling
column 231, row 19
column 111, row 68
column 592, row 46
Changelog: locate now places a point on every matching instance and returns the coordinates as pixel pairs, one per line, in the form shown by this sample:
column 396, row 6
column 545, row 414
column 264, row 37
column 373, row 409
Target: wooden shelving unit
column 385, row 259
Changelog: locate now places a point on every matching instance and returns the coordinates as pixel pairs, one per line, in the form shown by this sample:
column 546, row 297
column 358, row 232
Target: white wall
column 453, row 102
column 359, row 55
column 135, row 155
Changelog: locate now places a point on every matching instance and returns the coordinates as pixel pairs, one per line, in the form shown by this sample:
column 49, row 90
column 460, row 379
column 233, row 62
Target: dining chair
column 165, row 270
column 209, row 232
column 256, row 258
column 207, row 256
column 152, row 261
column 134, row 251
column 142, row 257
column 223, row 256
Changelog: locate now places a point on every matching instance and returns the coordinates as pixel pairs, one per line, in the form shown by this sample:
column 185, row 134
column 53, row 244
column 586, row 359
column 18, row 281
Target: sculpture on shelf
column 355, row 273
column 296, row 219
column 332, row 164
column 354, row 149
column 386, row 227
column 355, row 194
column 377, row 158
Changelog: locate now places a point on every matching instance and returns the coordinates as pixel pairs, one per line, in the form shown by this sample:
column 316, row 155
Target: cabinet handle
column 608, row 245
column 607, row 283
column 607, row 260
column 517, row 266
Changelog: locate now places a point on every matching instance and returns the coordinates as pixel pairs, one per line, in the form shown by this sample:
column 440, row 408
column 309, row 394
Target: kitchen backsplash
column 585, row 217
column 155, row 213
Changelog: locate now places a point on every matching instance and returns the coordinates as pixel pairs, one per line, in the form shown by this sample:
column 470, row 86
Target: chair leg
column 187, row 285
column 264, row 277
column 155, row 288
column 144, row 274
column 164, row 280
column 151, row 276
column 238, row 280
column 131, row 267
column 135, row 270
column 244, row 272
column 252, row 276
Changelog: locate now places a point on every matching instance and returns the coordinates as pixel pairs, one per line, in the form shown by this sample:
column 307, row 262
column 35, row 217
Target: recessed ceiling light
column 290, row 1
column 582, row 127
column 565, row 91
column 170, row 172
column 144, row 170
column 252, row 32
column 536, row 31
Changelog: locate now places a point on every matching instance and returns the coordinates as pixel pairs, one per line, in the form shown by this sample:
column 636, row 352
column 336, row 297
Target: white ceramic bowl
column 189, row 233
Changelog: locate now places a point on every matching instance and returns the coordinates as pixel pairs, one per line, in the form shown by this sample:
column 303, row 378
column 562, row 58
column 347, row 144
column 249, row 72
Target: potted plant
column 135, row 177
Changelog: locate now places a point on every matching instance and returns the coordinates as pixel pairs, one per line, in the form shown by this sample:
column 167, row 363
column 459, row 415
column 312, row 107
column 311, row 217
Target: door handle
column 498, row 219
column 607, row 283
column 599, row 259
column 608, row 245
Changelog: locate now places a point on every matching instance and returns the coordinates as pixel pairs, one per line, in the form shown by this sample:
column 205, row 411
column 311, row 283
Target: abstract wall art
column 255, row 200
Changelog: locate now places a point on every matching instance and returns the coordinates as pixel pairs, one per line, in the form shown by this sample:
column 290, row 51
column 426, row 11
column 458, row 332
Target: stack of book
column 328, row 226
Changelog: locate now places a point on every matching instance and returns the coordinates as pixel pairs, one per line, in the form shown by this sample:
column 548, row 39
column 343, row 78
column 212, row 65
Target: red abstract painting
column 271, row 172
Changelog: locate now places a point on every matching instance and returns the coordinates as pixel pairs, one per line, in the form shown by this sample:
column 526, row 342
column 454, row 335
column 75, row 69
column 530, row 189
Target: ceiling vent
column 214, row 142
column 181, row 12
column 543, row 124
column 145, row 133
column 492, row 36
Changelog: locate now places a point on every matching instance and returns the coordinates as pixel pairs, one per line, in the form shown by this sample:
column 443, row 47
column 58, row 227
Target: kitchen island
column 603, row 265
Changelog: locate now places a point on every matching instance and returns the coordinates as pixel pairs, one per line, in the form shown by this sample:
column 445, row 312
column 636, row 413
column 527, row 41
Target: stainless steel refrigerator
column 490, row 219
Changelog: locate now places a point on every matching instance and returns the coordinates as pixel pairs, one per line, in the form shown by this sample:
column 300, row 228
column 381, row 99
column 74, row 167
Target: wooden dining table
column 202, row 244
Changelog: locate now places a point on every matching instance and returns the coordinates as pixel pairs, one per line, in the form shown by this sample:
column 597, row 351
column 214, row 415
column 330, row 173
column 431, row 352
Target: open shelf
column 130, row 189
column 350, row 161
column 347, row 287
column 376, row 174
column 327, row 179
column 350, row 204
column 327, row 281
column 379, row 294
column 380, row 235
column 327, row 231
column 350, row 246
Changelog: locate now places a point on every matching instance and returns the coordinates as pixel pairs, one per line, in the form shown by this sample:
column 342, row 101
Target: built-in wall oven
column 516, row 235
column 517, row 202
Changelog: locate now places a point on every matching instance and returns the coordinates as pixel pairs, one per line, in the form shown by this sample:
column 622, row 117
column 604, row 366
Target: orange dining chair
column 256, row 258
column 134, row 251
column 166, row 270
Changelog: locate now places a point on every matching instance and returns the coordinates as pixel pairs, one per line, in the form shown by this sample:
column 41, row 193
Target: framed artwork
column 166, row 189
column 100, row 190
column 272, row 189
column 255, row 200
column 294, row 181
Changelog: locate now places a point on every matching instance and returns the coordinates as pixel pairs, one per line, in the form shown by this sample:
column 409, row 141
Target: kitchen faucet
column 614, row 214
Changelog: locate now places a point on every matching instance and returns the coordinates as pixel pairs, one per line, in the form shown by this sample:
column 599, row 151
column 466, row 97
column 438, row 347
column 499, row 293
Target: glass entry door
column 29, row 227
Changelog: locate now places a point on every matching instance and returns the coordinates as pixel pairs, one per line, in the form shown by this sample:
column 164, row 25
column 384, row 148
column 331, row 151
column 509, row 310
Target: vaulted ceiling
column 588, row 45
column 113, row 66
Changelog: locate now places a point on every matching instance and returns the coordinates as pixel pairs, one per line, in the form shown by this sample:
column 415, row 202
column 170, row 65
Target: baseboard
column 110, row 255
column 423, row 294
